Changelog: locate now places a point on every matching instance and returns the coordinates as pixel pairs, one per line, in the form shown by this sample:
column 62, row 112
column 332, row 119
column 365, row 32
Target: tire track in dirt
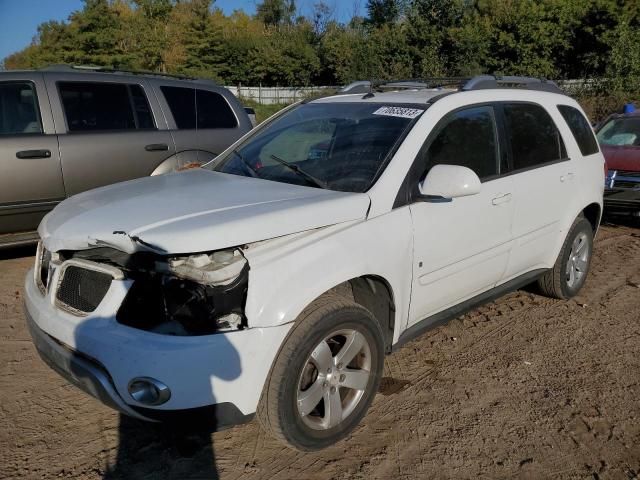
column 524, row 386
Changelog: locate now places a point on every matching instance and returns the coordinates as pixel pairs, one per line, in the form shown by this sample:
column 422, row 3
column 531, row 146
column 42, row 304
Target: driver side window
column 466, row 138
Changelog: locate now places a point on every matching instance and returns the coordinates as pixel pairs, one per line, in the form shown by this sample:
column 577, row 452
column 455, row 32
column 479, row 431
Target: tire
column 300, row 375
column 569, row 273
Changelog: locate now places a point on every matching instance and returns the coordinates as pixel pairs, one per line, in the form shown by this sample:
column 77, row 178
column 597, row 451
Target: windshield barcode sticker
column 403, row 112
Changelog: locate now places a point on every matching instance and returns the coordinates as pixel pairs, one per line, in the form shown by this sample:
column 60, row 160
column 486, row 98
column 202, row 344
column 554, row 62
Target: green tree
column 202, row 41
column 276, row 12
column 97, row 36
column 381, row 12
column 151, row 33
column 624, row 64
column 285, row 56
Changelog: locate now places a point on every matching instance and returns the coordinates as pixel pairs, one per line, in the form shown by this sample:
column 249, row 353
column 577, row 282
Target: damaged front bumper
column 223, row 371
column 87, row 375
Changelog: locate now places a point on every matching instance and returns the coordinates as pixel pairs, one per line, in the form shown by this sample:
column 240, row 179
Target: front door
column 461, row 247
column 109, row 131
column 30, row 174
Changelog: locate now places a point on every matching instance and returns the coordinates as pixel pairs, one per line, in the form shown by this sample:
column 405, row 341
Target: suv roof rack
column 99, row 69
column 479, row 82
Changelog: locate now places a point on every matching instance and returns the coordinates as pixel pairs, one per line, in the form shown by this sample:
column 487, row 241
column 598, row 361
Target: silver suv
column 64, row 130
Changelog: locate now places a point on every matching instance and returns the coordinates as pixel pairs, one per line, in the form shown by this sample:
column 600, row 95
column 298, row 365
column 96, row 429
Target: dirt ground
column 524, row 387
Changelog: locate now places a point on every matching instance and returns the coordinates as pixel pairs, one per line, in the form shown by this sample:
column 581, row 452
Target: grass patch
column 263, row 111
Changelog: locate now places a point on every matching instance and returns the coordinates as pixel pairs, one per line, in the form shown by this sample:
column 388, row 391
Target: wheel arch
column 593, row 213
column 374, row 293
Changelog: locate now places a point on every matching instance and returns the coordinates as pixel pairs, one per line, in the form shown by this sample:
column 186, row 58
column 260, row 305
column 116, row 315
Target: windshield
column 338, row 146
column 621, row 132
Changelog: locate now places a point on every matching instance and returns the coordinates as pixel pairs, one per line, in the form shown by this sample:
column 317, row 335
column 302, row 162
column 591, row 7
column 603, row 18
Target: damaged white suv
column 276, row 278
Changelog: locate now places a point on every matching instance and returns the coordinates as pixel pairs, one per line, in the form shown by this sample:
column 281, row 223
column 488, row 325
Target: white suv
column 276, row 279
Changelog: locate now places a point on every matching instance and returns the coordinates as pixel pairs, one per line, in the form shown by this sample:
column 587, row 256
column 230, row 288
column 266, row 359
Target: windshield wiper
column 252, row 171
column 296, row 169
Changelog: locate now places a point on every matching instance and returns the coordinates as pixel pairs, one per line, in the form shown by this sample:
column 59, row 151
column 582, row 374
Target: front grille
column 82, row 289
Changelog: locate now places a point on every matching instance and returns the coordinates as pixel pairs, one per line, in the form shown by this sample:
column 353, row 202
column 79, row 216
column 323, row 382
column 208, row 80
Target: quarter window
column 467, row 138
column 580, row 128
column 533, row 136
column 93, row 106
column 19, row 112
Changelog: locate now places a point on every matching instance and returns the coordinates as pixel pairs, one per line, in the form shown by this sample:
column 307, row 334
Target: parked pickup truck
column 619, row 136
column 64, row 130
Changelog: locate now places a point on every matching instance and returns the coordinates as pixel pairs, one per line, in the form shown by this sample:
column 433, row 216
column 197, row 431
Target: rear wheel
column 325, row 376
column 569, row 273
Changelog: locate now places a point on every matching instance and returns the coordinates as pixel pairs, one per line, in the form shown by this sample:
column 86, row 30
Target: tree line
column 395, row 39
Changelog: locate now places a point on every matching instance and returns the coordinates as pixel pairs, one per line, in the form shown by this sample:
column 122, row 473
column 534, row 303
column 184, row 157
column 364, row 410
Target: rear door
column 110, row 129
column 201, row 119
column 542, row 184
column 30, row 174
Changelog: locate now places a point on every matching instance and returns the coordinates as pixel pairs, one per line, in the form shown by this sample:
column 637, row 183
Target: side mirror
column 445, row 182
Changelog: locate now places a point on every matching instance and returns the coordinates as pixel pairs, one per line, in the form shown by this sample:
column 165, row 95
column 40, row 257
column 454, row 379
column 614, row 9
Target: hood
column 622, row 157
column 193, row 211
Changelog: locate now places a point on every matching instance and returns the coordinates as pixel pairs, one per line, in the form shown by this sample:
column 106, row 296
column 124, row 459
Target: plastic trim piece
column 449, row 314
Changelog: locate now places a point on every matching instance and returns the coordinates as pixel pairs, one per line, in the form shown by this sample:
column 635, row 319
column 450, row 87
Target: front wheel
column 325, row 376
column 569, row 273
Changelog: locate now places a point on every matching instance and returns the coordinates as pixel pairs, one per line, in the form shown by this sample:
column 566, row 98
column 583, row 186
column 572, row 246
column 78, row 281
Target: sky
column 19, row 19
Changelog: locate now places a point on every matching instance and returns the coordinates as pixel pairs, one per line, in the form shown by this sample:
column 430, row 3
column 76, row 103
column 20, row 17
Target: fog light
column 149, row 391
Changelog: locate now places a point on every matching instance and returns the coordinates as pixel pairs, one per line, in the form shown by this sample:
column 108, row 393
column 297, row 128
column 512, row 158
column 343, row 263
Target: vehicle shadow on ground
column 147, row 450
column 181, row 448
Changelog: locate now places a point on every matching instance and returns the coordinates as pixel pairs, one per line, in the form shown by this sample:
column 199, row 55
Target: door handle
column 501, row 199
column 33, row 154
column 567, row 177
column 156, row 147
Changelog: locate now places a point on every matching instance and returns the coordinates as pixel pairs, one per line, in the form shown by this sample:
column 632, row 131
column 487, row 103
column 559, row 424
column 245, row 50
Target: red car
column 619, row 137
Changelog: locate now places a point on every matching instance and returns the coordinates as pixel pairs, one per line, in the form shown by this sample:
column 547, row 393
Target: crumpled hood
column 193, row 211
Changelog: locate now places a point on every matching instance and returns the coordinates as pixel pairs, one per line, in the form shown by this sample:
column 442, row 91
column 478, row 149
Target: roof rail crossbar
column 483, row 82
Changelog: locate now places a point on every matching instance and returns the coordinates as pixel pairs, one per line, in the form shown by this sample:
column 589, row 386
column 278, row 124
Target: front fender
column 288, row 273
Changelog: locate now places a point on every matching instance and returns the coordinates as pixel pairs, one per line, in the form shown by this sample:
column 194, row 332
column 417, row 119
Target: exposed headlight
column 197, row 294
column 217, row 268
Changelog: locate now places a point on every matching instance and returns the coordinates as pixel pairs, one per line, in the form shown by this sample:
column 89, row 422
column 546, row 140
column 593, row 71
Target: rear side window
column 19, row 111
column 580, row 128
column 213, row 111
column 201, row 109
column 95, row 106
column 466, row 138
column 533, row 136
column 182, row 103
